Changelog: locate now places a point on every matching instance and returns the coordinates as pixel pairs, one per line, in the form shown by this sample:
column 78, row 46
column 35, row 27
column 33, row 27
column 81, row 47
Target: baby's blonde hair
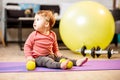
column 49, row 16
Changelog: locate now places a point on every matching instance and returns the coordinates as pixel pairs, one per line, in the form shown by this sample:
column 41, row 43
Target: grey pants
column 50, row 61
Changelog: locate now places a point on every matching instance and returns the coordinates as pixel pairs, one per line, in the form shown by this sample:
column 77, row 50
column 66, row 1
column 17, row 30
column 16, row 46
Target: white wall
column 107, row 3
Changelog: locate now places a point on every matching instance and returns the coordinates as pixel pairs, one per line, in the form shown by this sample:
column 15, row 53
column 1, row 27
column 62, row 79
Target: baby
column 41, row 45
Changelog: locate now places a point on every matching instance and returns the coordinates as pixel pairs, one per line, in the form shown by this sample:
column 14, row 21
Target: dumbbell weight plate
column 83, row 50
column 93, row 52
column 109, row 53
column 98, row 48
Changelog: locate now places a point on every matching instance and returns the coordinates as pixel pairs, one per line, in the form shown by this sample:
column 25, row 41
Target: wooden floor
column 13, row 53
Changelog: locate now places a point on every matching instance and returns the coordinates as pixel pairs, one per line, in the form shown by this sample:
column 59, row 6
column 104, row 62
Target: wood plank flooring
column 13, row 53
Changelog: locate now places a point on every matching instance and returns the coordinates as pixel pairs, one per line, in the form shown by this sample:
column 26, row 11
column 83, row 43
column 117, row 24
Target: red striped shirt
column 38, row 44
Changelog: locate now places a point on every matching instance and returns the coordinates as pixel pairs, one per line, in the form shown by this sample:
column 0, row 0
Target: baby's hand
column 52, row 56
column 30, row 59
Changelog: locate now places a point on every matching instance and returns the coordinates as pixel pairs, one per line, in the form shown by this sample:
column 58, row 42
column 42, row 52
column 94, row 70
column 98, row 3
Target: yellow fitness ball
column 87, row 23
column 30, row 65
column 69, row 65
column 62, row 60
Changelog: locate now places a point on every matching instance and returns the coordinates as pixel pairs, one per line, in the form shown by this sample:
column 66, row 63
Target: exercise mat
column 91, row 65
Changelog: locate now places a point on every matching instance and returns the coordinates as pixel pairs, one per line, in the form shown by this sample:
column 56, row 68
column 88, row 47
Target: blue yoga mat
column 91, row 65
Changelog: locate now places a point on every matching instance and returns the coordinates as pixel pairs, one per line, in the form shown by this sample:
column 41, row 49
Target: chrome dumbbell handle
column 98, row 52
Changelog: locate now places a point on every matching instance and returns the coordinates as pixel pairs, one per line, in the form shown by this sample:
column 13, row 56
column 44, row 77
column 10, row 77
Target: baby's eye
column 38, row 19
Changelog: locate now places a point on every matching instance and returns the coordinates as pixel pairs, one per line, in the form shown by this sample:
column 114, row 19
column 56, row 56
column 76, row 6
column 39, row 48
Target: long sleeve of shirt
column 55, row 48
column 28, row 46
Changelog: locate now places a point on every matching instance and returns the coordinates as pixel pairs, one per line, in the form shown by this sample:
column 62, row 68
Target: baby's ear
column 47, row 24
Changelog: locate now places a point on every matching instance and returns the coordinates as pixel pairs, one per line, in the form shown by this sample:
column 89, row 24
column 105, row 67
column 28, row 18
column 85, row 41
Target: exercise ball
column 87, row 23
column 30, row 65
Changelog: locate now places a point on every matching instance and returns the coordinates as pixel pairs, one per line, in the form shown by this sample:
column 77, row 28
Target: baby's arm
column 28, row 47
column 55, row 47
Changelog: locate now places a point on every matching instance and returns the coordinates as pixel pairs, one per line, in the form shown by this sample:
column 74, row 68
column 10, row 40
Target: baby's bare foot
column 64, row 64
column 80, row 62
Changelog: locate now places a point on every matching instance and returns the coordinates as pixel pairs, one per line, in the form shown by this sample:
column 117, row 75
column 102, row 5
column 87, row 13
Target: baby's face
column 39, row 22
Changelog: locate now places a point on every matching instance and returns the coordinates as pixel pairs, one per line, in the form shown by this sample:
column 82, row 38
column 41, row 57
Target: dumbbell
column 97, row 52
column 83, row 51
